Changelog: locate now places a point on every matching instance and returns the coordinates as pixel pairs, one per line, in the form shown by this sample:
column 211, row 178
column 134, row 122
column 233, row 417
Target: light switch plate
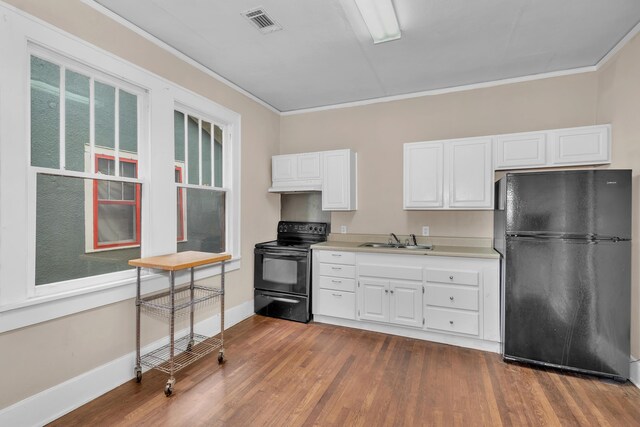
column 343, row 229
column 425, row 230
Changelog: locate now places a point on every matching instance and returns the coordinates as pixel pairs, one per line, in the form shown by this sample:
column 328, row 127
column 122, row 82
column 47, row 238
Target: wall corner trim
column 50, row 404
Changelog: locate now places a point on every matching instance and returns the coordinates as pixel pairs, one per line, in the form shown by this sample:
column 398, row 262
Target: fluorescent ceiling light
column 380, row 19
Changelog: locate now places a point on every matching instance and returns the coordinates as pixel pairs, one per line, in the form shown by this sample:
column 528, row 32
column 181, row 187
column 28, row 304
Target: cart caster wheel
column 138, row 376
column 220, row 358
column 168, row 389
column 190, row 345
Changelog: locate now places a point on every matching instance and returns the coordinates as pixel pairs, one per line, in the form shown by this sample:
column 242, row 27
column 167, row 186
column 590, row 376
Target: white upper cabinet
column 521, row 150
column 309, row 166
column 332, row 172
column 470, row 173
column 455, row 174
column 423, row 175
column 587, row 145
column 296, row 172
column 283, row 168
column 584, row 145
column 339, row 186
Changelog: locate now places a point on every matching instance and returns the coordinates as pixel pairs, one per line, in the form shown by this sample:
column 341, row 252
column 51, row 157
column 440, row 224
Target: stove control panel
column 290, row 227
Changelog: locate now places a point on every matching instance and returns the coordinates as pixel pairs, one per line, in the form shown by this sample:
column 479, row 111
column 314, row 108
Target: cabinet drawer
column 458, row 277
column 337, row 257
column 452, row 297
column 336, row 304
column 461, row 322
column 337, row 283
column 338, row 270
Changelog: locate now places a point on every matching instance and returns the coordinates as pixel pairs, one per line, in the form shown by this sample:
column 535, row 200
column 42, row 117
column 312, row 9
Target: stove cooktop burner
column 293, row 235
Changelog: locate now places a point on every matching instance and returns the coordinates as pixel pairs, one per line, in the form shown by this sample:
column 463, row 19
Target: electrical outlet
column 343, row 229
column 425, row 230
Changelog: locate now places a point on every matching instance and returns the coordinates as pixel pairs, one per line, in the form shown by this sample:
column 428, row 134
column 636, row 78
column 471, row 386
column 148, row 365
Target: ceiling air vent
column 263, row 22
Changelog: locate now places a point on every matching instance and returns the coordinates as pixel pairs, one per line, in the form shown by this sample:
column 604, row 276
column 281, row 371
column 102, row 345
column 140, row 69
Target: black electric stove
column 282, row 274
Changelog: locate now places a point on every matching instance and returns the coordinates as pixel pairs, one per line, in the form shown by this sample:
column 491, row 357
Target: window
column 84, row 151
column 116, row 206
column 78, row 142
column 199, row 151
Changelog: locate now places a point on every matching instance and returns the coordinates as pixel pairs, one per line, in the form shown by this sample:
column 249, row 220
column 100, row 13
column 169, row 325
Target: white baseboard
column 634, row 373
column 457, row 340
column 50, row 404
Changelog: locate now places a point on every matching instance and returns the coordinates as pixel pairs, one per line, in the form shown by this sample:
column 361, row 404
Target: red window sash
column 97, row 202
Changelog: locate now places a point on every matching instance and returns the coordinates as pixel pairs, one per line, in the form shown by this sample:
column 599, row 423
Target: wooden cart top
column 180, row 260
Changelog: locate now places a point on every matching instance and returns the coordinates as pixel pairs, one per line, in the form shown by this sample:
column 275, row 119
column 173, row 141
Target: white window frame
column 226, row 160
column 99, row 76
column 20, row 303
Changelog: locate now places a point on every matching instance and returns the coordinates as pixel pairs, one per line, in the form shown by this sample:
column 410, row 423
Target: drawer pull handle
column 338, row 255
column 336, row 281
column 451, row 298
column 337, row 295
column 386, row 291
column 450, row 277
column 336, row 268
column 451, row 322
column 391, row 291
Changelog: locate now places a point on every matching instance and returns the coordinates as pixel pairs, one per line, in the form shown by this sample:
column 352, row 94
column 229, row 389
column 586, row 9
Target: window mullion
column 92, row 126
column 200, row 151
column 62, row 103
column 213, row 154
column 116, row 142
column 186, row 149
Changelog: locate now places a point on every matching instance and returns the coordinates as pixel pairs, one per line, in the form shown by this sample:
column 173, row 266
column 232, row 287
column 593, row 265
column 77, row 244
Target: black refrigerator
column 565, row 241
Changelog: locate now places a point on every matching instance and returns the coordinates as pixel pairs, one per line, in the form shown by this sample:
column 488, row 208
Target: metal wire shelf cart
column 174, row 303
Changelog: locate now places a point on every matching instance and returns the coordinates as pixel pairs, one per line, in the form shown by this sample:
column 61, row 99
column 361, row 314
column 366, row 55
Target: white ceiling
column 324, row 54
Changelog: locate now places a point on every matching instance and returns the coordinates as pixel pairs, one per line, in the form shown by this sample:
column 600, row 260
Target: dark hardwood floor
column 281, row 373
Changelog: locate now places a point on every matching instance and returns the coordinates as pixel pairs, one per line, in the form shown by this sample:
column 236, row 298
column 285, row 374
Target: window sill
column 41, row 309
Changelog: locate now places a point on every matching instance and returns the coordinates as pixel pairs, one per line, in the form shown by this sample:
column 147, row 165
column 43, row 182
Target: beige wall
column 619, row 104
column 41, row 356
column 378, row 131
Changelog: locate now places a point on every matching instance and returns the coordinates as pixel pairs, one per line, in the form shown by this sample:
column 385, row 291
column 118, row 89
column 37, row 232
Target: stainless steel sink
column 419, row 247
column 395, row 246
column 379, row 245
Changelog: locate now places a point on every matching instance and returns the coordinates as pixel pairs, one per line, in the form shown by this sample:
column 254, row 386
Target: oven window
column 280, row 270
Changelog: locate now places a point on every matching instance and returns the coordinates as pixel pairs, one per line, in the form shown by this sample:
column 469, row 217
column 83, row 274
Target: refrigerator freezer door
column 567, row 303
column 591, row 202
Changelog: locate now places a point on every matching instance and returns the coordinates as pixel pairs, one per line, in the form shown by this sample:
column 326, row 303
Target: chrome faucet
column 414, row 242
column 398, row 242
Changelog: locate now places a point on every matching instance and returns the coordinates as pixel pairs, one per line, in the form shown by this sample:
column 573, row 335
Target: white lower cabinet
column 452, row 300
column 373, row 300
column 405, row 303
column 394, row 302
column 334, row 284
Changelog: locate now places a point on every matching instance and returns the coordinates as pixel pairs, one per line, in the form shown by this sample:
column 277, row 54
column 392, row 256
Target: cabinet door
column 423, row 175
column 405, row 303
column 283, row 168
column 338, row 180
column 521, row 150
column 308, row 166
column 584, row 145
column 373, row 300
column 470, row 173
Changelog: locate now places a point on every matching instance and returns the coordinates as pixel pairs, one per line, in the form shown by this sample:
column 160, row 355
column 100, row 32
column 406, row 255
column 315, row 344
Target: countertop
column 438, row 250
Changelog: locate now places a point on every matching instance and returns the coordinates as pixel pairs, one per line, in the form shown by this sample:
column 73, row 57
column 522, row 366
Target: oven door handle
column 296, row 255
column 288, row 300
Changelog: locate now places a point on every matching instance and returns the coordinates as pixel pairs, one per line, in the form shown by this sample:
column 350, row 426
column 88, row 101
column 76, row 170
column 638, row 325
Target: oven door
column 281, row 271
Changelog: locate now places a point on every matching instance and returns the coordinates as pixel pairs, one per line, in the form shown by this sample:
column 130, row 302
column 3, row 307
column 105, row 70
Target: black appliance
column 282, row 271
column 565, row 238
